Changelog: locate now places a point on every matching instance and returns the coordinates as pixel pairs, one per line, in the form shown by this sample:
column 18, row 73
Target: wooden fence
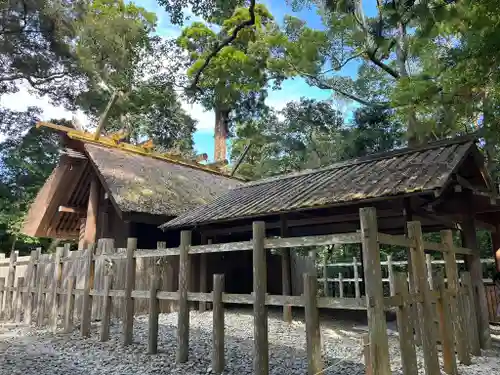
column 352, row 284
column 455, row 307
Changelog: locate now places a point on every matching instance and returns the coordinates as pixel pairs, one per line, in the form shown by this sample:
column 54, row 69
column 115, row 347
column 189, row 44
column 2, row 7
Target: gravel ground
column 24, row 350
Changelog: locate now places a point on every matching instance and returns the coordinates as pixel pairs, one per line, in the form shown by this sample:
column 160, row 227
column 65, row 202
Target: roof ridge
column 368, row 158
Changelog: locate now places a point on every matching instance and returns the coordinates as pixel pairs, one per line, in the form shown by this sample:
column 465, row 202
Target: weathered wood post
column 202, row 305
column 341, row 285
column 452, row 281
column 390, row 273
column 70, row 305
column 406, row 337
column 2, row 292
column 470, row 310
column 313, row 336
column 286, row 277
column 183, row 315
column 87, row 298
column 106, row 308
column 367, row 355
column 476, row 273
column 286, row 282
column 154, row 311
column 260, row 341
column 325, row 278
column 379, row 345
column 9, row 297
column 18, row 303
column 128, row 319
column 446, row 327
column 424, row 306
column 41, row 300
column 218, row 362
column 56, row 283
column 357, row 290
column 430, row 276
column 31, row 283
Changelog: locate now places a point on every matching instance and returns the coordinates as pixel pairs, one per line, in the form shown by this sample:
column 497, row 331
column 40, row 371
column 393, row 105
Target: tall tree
column 387, row 42
column 230, row 65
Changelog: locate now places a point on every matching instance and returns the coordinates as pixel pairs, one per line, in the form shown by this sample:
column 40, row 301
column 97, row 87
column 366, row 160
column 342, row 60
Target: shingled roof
column 147, row 185
column 400, row 172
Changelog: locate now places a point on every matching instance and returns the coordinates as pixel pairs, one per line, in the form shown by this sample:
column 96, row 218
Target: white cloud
column 23, row 99
column 206, row 119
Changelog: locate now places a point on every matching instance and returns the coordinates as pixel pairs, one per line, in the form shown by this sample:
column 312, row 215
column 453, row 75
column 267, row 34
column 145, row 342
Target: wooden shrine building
column 444, row 185
column 111, row 192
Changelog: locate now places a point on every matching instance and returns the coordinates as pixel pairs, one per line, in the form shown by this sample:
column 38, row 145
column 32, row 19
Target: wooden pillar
column 202, row 306
column 183, row 315
column 11, row 277
column 56, row 283
column 425, row 311
column 128, row 321
column 313, row 335
column 286, row 280
column 107, row 306
column 87, row 297
column 81, row 236
column 92, row 209
column 260, row 341
column 476, row 271
column 379, row 344
column 154, row 310
column 218, row 326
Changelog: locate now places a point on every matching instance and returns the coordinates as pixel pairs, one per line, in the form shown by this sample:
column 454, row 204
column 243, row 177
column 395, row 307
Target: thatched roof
column 396, row 173
column 143, row 184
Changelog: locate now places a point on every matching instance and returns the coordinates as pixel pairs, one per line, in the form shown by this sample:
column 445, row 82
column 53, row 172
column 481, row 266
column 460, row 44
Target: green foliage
column 215, row 11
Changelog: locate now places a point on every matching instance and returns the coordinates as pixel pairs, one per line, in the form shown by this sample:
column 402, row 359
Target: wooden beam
column 72, row 210
column 91, row 221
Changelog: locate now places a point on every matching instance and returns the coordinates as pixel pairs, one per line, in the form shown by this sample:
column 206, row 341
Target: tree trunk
column 401, row 59
column 221, row 132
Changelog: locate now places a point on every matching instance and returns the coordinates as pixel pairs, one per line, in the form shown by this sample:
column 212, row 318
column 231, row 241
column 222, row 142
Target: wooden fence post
column 475, row 269
column 260, row 341
column 9, row 297
column 286, row 282
column 341, row 286
column 390, row 273
column 2, row 292
column 452, row 278
column 313, row 336
column 357, row 290
column 470, row 309
column 55, row 286
column 325, row 278
column 128, row 319
column 70, row 305
column 202, row 306
column 463, row 342
column 405, row 328
column 154, row 311
column 425, row 312
column 87, row 298
column 430, row 275
column 41, row 300
column 18, row 303
column 366, row 355
column 218, row 326
column 183, row 315
column 32, row 281
column 106, row 308
column 446, row 328
column 379, row 345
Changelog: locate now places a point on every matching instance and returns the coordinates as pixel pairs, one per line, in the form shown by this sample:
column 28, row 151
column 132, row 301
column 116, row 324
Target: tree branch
column 382, row 65
column 224, row 43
